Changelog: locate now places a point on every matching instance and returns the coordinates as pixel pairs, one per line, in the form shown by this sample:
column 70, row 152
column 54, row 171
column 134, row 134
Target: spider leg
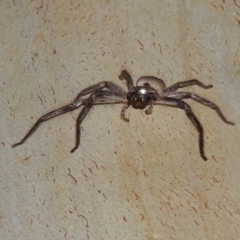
column 150, row 108
column 116, row 91
column 109, row 85
column 181, row 104
column 44, row 118
column 125, row 75
column 80, row 118
column 109, row 97
column 195, row 97
column 187, row 83
column 100, row 97
column 125, row 107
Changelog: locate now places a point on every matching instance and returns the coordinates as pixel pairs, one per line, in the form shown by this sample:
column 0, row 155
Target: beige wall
column 138, row 180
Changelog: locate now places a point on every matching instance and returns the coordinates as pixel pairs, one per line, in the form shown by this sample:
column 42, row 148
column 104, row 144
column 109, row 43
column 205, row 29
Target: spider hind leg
column 181, row 104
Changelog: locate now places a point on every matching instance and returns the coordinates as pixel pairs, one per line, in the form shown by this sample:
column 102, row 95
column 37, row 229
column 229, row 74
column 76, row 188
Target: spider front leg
column 195, row 97
column 187, row 83
column 44, row 118
column 116, row 90
column 181, row 104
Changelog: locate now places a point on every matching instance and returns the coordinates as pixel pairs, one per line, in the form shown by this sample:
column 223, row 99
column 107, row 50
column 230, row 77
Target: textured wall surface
column 140, row 180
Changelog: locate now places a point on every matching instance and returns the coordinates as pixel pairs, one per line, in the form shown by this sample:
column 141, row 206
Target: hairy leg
column 181, row 104
column 109, row 97
column 44, row 118
column 195, row 97
column 88, row 105
column 109, row 85
column 116, row 94
column 187, row 83
column 99, row 97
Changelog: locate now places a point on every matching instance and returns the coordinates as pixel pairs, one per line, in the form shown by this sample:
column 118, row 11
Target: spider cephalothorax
column 141, row 97
column 148, row 91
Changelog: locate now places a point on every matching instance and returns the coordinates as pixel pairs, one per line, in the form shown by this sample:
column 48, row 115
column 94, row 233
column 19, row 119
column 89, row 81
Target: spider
column 147, row 92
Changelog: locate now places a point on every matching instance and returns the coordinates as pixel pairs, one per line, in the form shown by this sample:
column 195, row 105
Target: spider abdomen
column 156, row 83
